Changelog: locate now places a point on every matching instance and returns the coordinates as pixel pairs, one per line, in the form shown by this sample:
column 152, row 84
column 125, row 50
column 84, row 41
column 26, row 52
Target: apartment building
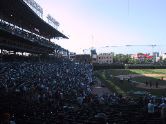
column 105, row 58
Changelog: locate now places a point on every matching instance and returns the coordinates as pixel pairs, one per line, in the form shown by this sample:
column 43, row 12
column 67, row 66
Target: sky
column 100, row 23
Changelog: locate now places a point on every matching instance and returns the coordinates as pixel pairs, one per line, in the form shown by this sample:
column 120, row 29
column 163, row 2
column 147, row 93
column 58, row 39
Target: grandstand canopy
column 19, row 13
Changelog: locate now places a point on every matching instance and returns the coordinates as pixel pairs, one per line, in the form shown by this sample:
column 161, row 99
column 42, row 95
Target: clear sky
column 100, row 23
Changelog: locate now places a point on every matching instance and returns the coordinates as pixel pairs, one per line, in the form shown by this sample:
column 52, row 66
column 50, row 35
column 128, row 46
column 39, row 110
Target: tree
column 122, row 59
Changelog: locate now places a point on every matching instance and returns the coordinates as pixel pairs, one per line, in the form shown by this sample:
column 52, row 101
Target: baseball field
column 125, row 81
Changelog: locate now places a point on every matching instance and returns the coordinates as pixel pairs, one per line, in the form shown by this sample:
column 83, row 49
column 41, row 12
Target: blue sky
column 99, row 23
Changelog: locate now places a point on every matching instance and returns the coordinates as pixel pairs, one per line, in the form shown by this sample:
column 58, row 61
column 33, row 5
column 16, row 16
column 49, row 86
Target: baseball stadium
column 41, row 84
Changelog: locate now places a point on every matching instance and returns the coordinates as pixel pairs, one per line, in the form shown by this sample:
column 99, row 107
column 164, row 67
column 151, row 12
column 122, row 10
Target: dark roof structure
column 22, row 30
column 19, row 13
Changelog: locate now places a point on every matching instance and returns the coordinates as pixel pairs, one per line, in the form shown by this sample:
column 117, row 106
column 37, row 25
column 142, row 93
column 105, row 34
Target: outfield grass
column 116, row 72
column 148, row 71
column 123, row 87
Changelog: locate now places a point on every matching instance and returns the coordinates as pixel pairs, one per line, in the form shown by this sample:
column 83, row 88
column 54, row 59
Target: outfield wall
column 144, row 66
column 108, row 66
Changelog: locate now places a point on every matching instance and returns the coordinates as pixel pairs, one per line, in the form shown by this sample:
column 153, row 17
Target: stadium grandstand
column 22, row 30
column 53, row 89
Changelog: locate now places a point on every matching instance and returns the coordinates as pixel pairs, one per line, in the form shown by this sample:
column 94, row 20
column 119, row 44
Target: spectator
column 156, row 84
column 162, row 106
column 151, row 108
column 150, row 83
column 146, row 83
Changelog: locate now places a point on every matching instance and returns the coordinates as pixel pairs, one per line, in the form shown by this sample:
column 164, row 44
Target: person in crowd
column 150, row 84
column 162, row 107
column 157, row 84
column 146, row 83
column 151, row 108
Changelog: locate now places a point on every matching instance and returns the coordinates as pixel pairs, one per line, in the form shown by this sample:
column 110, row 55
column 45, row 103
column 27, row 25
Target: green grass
column 116, row 72
column 148, row 71
column 123, row 87
column 111, row 85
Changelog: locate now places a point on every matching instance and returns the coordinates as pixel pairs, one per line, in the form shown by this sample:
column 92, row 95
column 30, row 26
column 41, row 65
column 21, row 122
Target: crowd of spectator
column 151, row 84
column 46, row 82
column 60, row 92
